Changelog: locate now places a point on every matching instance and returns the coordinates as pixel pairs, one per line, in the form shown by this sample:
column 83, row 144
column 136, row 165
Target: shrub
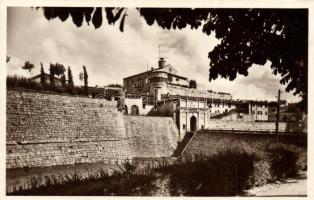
column 129, row 167
column 22, row 82
column 224, row 174
column 283, row 160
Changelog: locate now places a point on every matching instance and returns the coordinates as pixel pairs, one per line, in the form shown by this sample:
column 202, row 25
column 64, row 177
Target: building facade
column 163, row 92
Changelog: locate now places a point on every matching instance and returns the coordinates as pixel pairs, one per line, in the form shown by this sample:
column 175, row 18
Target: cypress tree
column 70, row 80
column 85, row 81
column 63, row 81
column 52, row 75
column 42, row 76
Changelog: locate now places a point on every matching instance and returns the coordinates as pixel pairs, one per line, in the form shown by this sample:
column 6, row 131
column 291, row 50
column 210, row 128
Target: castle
column 163, row 92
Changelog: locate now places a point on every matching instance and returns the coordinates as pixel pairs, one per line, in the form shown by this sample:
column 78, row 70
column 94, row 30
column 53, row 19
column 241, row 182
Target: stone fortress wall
column 48, row 130
column 151, row 136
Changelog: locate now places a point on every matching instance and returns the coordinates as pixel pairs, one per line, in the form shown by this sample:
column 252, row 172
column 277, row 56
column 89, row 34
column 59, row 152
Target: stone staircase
column 181, row 146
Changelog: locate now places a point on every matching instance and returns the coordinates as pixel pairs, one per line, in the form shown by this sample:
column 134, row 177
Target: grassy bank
column 226, row 173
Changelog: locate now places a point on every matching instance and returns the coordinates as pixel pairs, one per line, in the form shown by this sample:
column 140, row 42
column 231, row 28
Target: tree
column 192, row 84
column 28, row 66
column 85, row 81
column 81, row 77
column 52, row 75
column 115, row 85
column 248, row 36
column 42, row 75
column 70, row 81
column 8, row 58
column 59, row 69
column 63, row 81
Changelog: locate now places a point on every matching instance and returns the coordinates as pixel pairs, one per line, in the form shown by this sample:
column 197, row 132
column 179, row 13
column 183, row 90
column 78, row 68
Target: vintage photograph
column 157, row 101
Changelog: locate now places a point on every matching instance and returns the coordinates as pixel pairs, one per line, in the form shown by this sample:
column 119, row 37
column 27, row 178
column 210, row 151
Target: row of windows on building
column 259, row 112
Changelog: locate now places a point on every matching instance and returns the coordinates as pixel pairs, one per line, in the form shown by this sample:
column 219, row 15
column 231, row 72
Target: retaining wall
column 245, row 125
column 209, row 143
column 151, row 136
column 48, row 130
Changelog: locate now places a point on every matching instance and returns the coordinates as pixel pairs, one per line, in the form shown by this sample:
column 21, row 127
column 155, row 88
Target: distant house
column 47, row 77
column 110, row 92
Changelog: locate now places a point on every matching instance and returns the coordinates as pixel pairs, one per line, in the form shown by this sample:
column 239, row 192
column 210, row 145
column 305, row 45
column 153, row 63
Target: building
column 244, row 110
column 157, row 90
column 163, row 92
column 111, row 92
column 37, row 78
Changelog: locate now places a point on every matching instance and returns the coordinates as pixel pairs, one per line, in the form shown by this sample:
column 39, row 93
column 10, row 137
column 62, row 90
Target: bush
column 224, row 174
column 283, row 160
column 22, row 82
column 129, row 167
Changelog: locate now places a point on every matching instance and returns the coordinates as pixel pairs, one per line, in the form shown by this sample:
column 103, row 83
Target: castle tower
column 161, row 62
column 158, row 83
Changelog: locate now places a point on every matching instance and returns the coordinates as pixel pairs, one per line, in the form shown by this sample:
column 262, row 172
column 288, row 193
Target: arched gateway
column 193, row 123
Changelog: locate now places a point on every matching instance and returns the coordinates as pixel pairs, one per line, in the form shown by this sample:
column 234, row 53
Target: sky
column 110, row 55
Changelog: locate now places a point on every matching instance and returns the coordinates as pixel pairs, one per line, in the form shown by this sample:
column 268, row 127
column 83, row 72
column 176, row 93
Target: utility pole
column 277, row 117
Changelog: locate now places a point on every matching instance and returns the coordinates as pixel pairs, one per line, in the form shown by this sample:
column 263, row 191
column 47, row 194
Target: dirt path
column 289, row 187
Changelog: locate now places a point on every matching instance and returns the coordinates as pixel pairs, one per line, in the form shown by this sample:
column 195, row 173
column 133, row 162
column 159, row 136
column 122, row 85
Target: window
column 177, row 79
column 202, row 126
column 265, row 112
column 183, row 126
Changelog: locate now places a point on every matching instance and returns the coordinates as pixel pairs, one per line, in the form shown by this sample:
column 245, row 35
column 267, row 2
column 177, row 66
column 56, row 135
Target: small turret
column 161, row 63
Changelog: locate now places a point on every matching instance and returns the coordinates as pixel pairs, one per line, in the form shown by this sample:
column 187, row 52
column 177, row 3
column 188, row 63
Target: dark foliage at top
column 248, row 36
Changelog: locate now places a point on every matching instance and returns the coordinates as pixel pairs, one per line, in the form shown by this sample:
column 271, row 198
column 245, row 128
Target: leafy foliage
column 283, row 159
column 28, row 66
column 22, row 82
column 59, row 69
